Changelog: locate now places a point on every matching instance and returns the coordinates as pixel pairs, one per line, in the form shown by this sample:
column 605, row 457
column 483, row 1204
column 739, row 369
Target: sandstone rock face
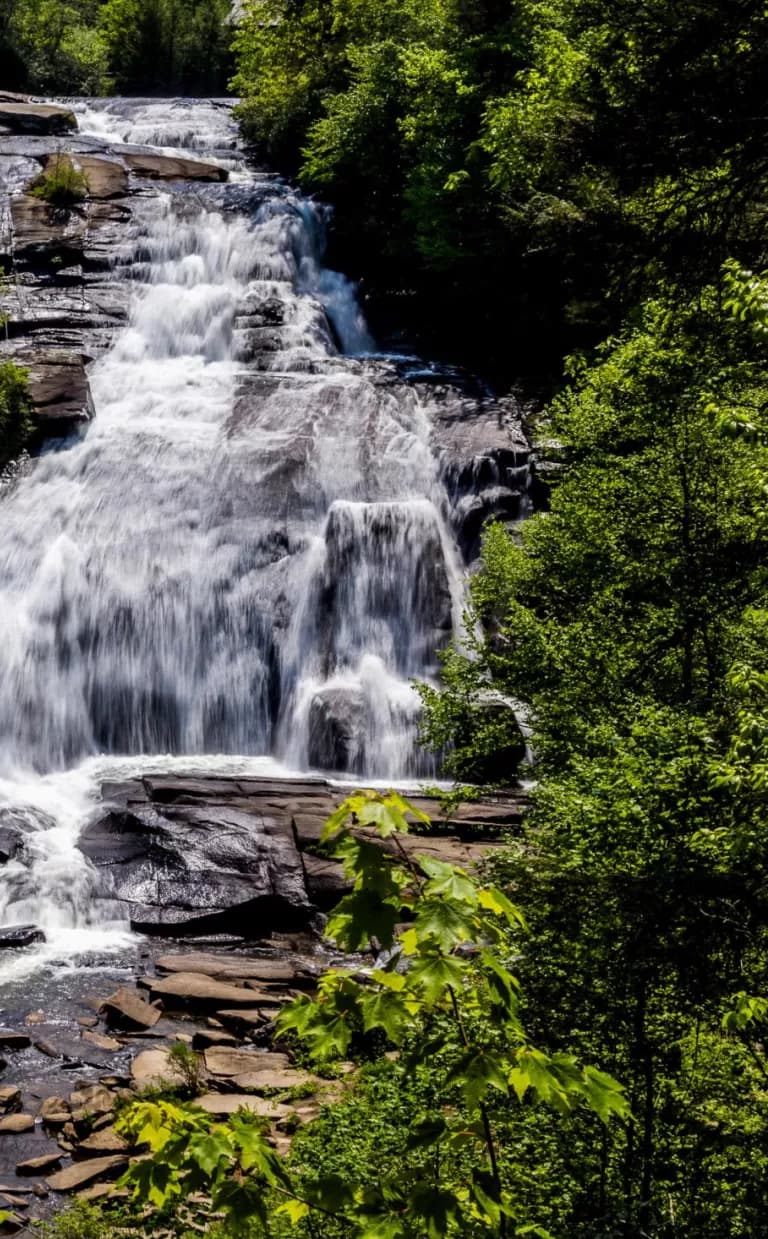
column 220, row 1061
column 19, row 117
column 223, row 1104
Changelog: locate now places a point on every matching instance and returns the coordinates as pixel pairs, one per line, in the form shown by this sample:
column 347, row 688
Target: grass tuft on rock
column 61, row 183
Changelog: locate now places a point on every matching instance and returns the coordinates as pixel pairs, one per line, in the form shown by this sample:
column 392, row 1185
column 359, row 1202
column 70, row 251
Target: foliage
column 15, row 412
column 186, row 1064
column 441, row 991
column 97, row 46
column 62, row 183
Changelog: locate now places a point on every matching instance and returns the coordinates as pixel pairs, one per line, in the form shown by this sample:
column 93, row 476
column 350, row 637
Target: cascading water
column 247, row 552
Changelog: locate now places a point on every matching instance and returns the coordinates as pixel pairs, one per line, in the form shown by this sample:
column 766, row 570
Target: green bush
column 15, row 412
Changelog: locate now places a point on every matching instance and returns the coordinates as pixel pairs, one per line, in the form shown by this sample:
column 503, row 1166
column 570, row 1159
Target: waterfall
column 245, row 558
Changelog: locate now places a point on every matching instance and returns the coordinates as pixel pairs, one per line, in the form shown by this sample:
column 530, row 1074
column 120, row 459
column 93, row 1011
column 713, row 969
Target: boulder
column 155, row 166
column 204, row 1038
column 91, row 1099
column 243, row 1022
column 106, row 177
column 125, row 1009
column 196, row 869
column 108, row 1044
column 47, row 118
column 337, row 718
column 79, row 1174
column 326, row 880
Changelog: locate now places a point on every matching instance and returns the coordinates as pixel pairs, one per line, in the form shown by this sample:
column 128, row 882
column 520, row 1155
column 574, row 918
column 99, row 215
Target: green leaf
column 445, row 879
column 494, row 900
column 295, row 1209
column 438, row 1207
column 426, row 1132
column 388, row 1011
column 444, row 921
column 434, row 973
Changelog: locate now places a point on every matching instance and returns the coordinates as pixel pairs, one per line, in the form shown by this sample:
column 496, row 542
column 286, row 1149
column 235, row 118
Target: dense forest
column 571, row 195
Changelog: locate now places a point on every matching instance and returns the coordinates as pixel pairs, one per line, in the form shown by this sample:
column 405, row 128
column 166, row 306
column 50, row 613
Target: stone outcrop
column 187, row 857
column 154, row 166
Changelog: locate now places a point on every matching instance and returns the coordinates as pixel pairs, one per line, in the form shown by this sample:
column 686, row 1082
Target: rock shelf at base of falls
column 190, row 857
column 57, row 1134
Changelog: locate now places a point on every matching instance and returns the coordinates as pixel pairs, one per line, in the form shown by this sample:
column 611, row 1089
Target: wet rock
column 125, row 1009
column 170, row 167
column 47, row 118
column 45, row 1047
column 15, row 1124
column 200, row 869
column 43, row 232
column 107, row 178
column 337, row 719
column 39, row 1165
column 14, row 1041
column 79, row 1174
column 20, row 935
column 59, row 387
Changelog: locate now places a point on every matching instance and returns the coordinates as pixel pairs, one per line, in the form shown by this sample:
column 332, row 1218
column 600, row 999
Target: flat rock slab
column 239, row 967
column 278, row 1078
column 220, row 1061
column 196, row 992
column 107, row 178
column 108, row 1044
column 40, row 1165
column 18, row 117
column 244, row 1021
column 15, row 1124
column 223, row 1104
column 79, row 1174
column 171, row 167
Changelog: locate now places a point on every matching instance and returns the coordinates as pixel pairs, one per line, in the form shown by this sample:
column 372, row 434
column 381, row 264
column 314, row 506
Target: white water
column 250, row 532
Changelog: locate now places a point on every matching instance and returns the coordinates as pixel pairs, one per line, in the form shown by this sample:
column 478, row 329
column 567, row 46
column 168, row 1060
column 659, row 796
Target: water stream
column 245, row 557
